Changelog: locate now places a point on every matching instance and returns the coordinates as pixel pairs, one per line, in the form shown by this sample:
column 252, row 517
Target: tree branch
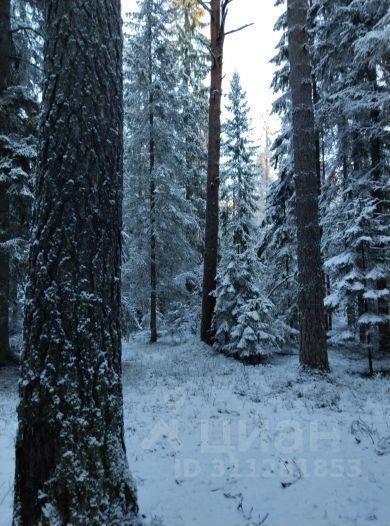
column 238, row 29
column 287, row 278
column 205, row 6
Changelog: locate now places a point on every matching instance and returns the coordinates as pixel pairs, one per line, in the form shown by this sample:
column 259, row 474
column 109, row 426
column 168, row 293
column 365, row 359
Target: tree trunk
column 5, row 21
column 152, row 200
column 153, row 262
column 71, row 465
column 214, row 153
column 313, row 351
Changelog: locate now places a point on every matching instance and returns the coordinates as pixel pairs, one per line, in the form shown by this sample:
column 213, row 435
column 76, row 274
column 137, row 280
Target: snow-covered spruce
column 18, row 127
column 159, row 219
column 243, row 318
column 277, row 247
column 71, row 465
column 349, row 53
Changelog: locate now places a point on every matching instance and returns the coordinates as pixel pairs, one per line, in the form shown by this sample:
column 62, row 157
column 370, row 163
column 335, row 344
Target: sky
column 249, row 52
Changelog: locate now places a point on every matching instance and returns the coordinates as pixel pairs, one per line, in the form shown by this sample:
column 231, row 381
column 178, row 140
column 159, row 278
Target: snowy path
column 214, row 443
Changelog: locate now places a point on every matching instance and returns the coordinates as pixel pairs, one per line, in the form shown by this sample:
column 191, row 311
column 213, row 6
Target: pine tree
column 71, row 465
column 243, row 314
column 155, row 160
column 218, row 12
column 313, row 352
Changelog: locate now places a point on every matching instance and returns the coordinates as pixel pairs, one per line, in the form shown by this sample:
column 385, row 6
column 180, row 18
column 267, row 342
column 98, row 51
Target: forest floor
column 212, row 442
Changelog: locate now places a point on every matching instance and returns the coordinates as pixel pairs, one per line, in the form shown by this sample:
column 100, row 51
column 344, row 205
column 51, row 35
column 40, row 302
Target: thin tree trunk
column 313, row 351
column 214, row 153
column 153, row 260
column 152, row 201
column 5, row 13
column 316, row 99
column 71, row 465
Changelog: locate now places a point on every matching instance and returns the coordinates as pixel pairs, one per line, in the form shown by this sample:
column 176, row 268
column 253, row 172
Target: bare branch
column 287, row 278
column 238, row 29
column 225, row 3
column 205, row 6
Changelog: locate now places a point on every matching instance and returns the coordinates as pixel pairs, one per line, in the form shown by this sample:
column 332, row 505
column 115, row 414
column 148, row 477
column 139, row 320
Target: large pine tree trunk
column 214, row 153
column 313, row 352
column 5, row 13
column 71, row 465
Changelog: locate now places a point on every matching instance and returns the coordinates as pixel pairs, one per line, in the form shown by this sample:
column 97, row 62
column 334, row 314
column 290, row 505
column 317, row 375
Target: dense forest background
column 349, row 52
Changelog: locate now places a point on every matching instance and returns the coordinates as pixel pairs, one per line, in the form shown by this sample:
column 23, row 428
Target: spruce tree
column 277, row 247
column 192, row 47
column 71, row 465
column 159, row 219
column 243, row 314
column 18, row 109
column 351, row 60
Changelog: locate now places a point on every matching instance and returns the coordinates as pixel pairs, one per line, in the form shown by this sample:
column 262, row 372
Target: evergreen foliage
column 243, row 318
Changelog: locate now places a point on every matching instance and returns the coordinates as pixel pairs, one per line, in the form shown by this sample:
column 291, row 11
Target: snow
column 212, row 442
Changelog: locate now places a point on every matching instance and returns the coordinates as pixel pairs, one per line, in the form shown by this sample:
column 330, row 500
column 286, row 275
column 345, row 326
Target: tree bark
column 152, row 193
column 313, row 349
column 214, row 154
column 71, row 465
column 5, row 41
column 153, row 257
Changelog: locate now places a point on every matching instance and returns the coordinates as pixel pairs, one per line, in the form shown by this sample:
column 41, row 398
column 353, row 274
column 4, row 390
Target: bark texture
column 313, row 351
column 71, row 465
column 5, row 13
column 213, row 170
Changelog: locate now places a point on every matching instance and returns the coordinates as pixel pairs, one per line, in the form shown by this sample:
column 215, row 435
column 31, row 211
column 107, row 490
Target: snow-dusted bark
column 71, row 465
column 313, row 351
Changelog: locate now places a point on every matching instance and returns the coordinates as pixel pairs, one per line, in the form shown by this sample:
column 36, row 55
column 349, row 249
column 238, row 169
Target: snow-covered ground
column 212, row 442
